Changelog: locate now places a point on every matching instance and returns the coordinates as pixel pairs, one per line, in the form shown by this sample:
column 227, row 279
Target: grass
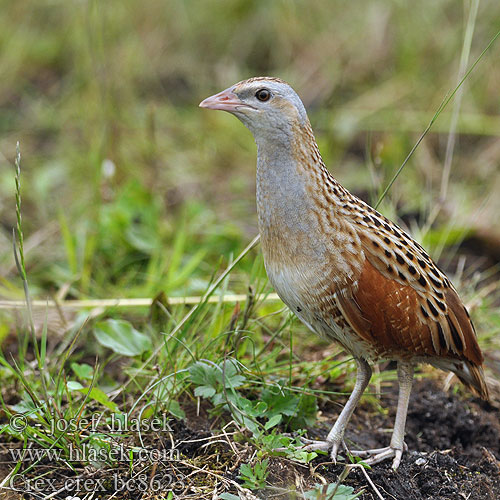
column 129, row 191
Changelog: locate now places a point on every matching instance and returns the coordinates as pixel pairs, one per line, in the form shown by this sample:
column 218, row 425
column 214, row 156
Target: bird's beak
column 226, row 100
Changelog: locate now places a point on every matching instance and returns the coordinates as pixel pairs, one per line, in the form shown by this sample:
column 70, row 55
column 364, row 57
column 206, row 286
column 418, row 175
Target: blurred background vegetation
column 130, row 189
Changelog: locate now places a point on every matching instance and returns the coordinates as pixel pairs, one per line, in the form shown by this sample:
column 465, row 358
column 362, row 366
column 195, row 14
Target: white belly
column 313, row 301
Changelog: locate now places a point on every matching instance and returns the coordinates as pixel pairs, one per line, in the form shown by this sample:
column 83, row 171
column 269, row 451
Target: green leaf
column 273, row 421
column 323, row 491
column 101, row 397
column 246, row 470
column 121, row 337
column 284, row 405
column 251, row 424
column 301, row 408
column 73, row 385
column 229, row 370
column 204, row 391
column 202, row 373
column 275, row 441
column 96, row 394
column 306, row 412
column 252, row 408
column 175, row 409
column 303, row 456
column 83, row 371
column 254, row 478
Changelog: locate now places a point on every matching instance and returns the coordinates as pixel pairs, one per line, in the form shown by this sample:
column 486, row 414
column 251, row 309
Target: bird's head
column 269, row 107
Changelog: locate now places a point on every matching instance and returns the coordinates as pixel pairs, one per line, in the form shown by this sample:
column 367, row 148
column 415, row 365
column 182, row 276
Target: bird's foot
column 314, row 445
column 377, row 455
column 370, row 457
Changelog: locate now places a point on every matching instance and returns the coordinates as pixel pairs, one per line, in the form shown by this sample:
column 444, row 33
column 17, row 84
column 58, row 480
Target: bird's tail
column 472, row 376
column 469, row 373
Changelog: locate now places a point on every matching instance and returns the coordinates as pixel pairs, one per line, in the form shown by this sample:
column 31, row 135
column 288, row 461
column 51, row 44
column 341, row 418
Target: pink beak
column 225, row 101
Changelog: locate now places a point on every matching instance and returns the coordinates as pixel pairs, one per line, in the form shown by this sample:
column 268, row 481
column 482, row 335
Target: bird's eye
column 263, row 95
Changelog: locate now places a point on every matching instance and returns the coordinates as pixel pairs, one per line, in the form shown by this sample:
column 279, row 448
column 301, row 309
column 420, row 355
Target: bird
column 348, row 273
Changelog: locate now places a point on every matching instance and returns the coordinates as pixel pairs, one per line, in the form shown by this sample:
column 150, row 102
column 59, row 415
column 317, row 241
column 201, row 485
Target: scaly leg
column 396, row 448
column 336, row 435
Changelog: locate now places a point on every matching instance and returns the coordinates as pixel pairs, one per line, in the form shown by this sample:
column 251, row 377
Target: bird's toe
column 311, row 445
column 377, row 455
column 397, row 459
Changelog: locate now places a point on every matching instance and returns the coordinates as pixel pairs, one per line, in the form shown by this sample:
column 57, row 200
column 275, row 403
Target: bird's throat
column 288, row 175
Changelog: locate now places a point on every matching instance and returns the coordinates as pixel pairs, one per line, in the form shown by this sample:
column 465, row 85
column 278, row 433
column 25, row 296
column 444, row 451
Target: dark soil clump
column 435, row 476
column 440, row 421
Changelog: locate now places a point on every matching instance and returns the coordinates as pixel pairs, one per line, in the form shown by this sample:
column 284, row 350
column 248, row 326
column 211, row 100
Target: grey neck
column 282, row 197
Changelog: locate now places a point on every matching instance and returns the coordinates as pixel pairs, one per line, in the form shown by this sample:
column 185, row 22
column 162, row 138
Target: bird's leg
column 335, row 436
column 405, row 378
column 397, row 446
